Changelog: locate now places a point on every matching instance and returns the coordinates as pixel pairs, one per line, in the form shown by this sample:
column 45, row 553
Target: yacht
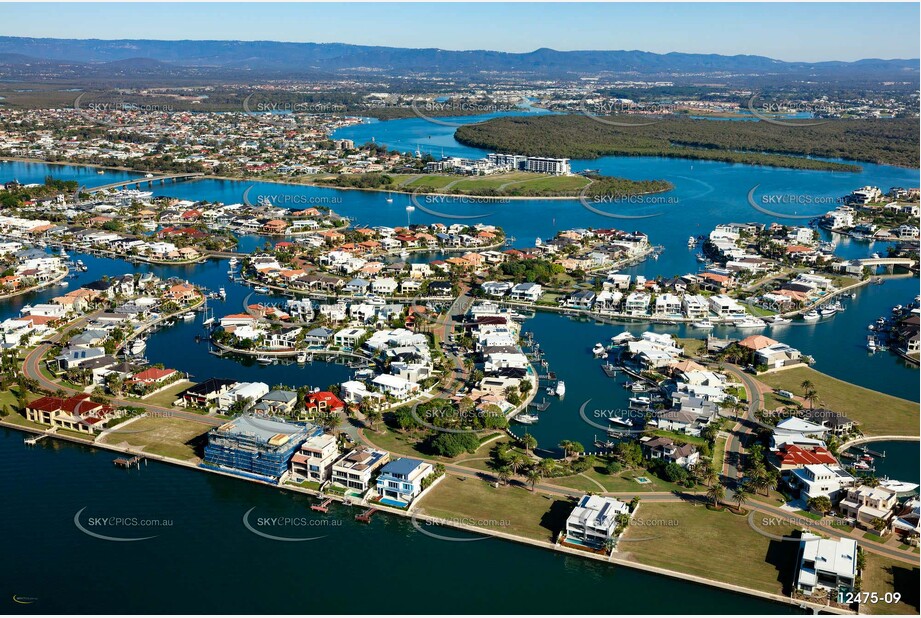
column 265, row 359
column 871, row 343
column 261, row 289
column 748, row 322
column 898, row 487
column 233, row 262
column 560, row 390
column 828, row 311
column 189, row 315
column 811, row 316
column 599, row 350
column 526, row 419
column 861, row 465
column 701, row 257
column 389, row 198
column 616, row 420
column 137, row 346
column 707, row 324
column 692, row 241
column 63, row 254
column 222, row 294
column 404, row 254
column 778, row 321
column 301, row 357
column 375, row 300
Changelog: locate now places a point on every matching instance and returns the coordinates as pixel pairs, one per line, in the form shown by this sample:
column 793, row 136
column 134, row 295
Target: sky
column 807, row 32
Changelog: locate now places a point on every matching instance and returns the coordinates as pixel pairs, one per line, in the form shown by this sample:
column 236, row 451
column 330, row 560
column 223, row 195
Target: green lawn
column 693, row 347
column 877, row 413
column 167, row 396
column 622, row 482
column 719, row 452
column 509, row 509
column 717, row 545
column 882, row 575
column 169, row 437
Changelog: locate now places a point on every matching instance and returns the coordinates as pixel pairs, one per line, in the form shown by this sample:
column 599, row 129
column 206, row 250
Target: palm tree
column 566, row 445
column 716, row 493
column 742, row 494
column 530, row 443
column 533, row 475
column 807, row 385
column 710, row 478
column 504, row 474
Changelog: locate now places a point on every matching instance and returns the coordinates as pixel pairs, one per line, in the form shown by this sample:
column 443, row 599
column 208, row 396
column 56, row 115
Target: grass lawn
column 882, row 575
column 509, row 509
column 169, row 437
column 680, row 437
column 17, row 419
column 772, row 401
column 306, row 485
column 877, row 413
column 622, row 482
column 167, row 396
column 870, row 536
column 713, row 544
column 719, row 452
column 409, row 444
column 693, row 347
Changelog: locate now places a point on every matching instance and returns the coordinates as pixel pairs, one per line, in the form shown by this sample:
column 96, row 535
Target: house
column 816, row 480
column 77, row 413
column 401, row 479
column 866, row 504
column 530, row 292
column 319, row 336
column 314, row 460
column 637, row 303
column 353, row 391
column 395, row 386
column 583, row 299
column 798, row 431
column 206, row 393
column 155, row 376
column 666, row 450
column 245, row 393
column 791, row 457
column 277, row 402
column 496, row 288
column 258, row 446
column 349, row 338
column 594, row 520
column 357, row 468
column 322, row 402
column 837, row 423
column 826, row 564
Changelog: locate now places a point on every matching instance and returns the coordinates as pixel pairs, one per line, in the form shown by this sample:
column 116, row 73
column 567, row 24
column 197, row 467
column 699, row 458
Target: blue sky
column 807, row 32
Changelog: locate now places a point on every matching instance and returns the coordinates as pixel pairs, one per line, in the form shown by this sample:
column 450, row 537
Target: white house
column 395, row 386
column 594, row 519
column 826, row 564
column 527, row 291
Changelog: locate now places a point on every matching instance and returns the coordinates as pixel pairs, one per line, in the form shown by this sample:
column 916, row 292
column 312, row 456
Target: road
column 31, row 368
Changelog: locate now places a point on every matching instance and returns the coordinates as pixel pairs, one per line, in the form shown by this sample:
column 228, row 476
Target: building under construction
column 256, row 445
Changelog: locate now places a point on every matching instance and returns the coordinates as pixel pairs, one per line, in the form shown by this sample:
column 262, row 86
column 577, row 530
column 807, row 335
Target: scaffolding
column 264, row 451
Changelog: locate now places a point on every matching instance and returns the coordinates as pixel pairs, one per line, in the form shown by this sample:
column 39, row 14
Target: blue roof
column 404, row 466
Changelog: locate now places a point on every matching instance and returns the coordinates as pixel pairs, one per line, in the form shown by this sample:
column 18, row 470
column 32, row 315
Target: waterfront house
column 244, row 393
column 349, row 338
column 816, row 480
column 792, row 457
column 594, row 520
column 798, row 431
column 826, row 564
column 277, row 402
column 358, row 467
column 354, row 391
column 665, row 449
column 206, row 393
column 77, row 413
column 530, row 292
column 314, row 460
column 395, row 386
column 866, row 504
column 837, row 423
column 322, row 402
column 255, row 445
column 401, row 479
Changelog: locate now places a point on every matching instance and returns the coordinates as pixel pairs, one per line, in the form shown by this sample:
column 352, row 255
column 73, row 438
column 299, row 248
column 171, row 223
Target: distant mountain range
column 102, row 57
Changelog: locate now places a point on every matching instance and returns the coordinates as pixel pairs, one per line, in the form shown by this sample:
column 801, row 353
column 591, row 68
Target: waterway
column 203, row 559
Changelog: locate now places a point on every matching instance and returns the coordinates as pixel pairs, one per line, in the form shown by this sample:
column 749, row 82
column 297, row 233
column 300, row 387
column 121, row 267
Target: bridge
column 137, row 183
column 889, row 262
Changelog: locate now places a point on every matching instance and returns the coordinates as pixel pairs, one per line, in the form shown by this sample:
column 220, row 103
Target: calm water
column 230, row 570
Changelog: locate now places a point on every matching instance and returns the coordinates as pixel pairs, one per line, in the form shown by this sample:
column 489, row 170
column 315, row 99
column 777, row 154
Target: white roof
column 839, row 557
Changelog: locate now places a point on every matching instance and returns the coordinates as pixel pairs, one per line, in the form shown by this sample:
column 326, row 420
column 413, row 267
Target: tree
column 529, row 442
column 533, row 475
column 820, row 504
column 879, row 524
column 742, row 494
column 566, row 445
column 504, row 474
column 716, row 493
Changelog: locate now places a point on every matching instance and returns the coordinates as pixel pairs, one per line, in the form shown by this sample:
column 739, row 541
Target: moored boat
column 526, row 419
column 811, row 316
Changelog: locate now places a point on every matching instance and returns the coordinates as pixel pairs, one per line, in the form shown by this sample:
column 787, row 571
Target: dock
column 33, row 440
column 609, row 370
column 126, row 463
column 366, row 516
column 322, row 507
column 870, row 452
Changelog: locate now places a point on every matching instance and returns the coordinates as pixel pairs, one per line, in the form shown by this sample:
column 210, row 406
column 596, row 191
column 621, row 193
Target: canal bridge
column 137, row 183
column 889, row 262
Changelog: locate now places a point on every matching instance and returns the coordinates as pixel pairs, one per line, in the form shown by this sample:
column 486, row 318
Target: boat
column 639, row 387
column 404, row 254
column 389, row 198
column 707, row 324
column 100, row 172
column 63, row 283
column 897, row 309
column 692, row 241
column 599, row 350
column 616, row 420
column 898, row 487
column 828, row 311
column 640, row 403
column 207, row 321
column 748, row 322
column 233, row 262
column 261, row 289
column 861, row 465
column 301, row 357
column 867, row 458
column 189, row 315
column 778, row 321
column 375, row 300
column 265, row 360
column 137, row 347
column 63, row 254
column 853, row 295
column 526, row 419
column 560, row 389
column 701, row 257
column 871, row 343
column 811, row 316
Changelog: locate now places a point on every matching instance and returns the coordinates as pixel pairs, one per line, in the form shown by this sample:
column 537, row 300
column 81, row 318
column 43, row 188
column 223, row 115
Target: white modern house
column 825, row 564
column 594, row 520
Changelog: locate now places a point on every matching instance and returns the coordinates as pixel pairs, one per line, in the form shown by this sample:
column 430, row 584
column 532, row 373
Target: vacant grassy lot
column 169, row 437
column 883, row 575
column 622, row 482
column 509, row 509
column 877, row 413
column 716, row 545
column 167, row 396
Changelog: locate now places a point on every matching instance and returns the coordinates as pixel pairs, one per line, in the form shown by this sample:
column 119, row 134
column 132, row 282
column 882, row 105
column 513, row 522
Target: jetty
column 366, row 516
column 33, row 440
column 323, row 507
column 124, row 462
